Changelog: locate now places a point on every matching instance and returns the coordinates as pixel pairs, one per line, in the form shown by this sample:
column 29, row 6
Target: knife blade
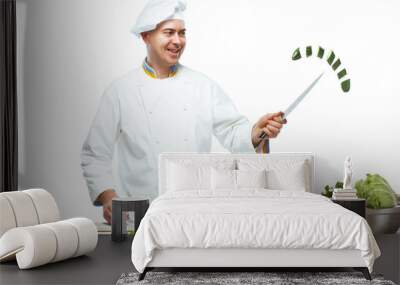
column 296, row 102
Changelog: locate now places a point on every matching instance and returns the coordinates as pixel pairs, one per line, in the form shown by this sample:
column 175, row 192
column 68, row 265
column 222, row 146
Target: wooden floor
column 102, row 266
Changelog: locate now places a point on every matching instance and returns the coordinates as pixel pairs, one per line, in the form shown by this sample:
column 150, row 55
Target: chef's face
column 166, row 43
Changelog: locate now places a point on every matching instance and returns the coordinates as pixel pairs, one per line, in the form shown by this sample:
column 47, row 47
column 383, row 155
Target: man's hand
column 105, row 198
column 271, row 124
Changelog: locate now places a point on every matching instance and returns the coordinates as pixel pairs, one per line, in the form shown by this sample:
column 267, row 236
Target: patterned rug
column 243, row 278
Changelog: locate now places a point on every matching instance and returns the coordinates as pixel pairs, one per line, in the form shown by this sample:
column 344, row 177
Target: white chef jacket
column 145, row 117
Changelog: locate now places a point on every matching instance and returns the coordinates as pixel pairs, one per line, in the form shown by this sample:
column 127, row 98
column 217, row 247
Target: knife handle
column 264, row 135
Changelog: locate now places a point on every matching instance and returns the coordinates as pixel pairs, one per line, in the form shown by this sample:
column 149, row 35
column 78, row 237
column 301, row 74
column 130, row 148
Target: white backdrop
column 69, row 51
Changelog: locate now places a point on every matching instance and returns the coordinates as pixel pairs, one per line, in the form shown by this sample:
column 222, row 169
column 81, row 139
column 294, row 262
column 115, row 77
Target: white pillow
column 282, row 174
column 287, row 179
column 223, row 179
column 251, row 178
column 188, row 177
column 223, row 163
column 228, row 179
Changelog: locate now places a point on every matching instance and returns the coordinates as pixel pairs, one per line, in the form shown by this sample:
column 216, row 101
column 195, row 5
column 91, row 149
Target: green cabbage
column 377, row 192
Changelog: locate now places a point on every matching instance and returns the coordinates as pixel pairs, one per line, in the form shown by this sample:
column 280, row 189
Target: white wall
column 69, row 51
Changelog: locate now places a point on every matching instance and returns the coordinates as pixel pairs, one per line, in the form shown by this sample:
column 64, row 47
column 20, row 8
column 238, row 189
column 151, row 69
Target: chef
column 161, row 106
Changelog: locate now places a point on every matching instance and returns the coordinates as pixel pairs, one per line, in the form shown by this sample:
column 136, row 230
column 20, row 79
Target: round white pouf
column 6, row 215
column 46, row 206
column 87, row 233
column 67, row 240
column 23, row 208
column 33, row 246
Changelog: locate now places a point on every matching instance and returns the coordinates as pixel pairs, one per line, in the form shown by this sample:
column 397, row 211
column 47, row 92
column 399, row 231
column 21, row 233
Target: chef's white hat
column 157, row 11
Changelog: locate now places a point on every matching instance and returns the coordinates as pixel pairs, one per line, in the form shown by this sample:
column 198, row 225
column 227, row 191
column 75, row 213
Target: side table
column 355, row 205
column 120, row 210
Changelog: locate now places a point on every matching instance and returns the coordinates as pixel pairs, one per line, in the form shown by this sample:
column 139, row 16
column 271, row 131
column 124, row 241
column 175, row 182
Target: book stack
column 344, row 194
column 103, row 228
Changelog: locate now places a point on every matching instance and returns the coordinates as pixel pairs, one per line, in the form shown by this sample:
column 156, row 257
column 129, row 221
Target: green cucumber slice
column 331, row 58
column 308, row 51
column 321, row 52
column 332, row 61
column 342, row 73
column 346, row 85
column 296, row 54
column 336, row 64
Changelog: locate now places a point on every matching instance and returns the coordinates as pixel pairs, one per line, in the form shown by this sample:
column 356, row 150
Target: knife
column 295, row 102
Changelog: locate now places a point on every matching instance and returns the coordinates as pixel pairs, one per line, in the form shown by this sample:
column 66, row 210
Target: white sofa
column 32, row 233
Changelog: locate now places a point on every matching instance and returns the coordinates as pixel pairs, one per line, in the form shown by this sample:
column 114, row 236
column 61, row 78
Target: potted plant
column 383, row 211
column 328, row 190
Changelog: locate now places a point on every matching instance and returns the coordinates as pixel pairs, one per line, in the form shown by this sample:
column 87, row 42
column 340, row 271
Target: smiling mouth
column 174, row 52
